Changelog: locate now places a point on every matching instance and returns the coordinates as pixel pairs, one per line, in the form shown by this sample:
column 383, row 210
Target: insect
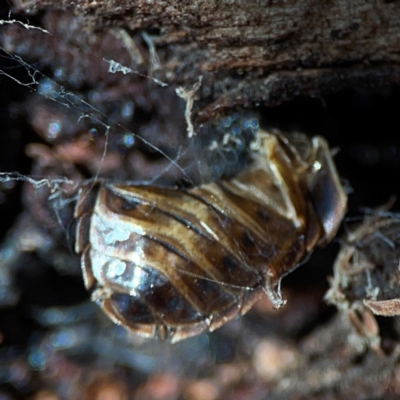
column 171, row 263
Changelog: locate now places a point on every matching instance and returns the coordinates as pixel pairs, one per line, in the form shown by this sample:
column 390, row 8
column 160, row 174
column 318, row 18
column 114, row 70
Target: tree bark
column 257, row 52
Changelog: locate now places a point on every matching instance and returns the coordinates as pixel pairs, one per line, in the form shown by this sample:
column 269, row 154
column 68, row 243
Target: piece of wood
column 257, row 52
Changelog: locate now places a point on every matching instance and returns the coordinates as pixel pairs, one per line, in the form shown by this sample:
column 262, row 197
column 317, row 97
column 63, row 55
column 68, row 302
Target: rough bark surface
column 251, row 52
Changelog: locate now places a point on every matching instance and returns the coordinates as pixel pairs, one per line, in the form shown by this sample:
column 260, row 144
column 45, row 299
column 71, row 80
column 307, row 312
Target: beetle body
column 171, row 263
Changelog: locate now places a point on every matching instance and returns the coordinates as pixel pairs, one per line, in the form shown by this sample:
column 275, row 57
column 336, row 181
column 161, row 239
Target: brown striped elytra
column 171, row 263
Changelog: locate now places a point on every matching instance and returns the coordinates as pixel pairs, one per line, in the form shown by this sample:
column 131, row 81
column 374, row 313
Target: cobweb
column 214, row 151
column 92, row 138
column 38, row 82
column 222, row 147
column 209, row 154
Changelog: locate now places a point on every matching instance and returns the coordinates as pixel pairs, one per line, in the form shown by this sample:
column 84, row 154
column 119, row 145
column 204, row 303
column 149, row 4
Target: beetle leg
column 298, row 181
column 277, row 160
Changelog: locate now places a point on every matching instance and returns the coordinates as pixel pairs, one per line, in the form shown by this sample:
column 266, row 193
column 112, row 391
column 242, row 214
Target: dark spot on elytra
column 117, row 203
column 172, row 306
column 127, row 205
column 230, row 264
column 237, row 273
column 133, row 309
column 263, row 215
column 214, row 296
column 247, row 240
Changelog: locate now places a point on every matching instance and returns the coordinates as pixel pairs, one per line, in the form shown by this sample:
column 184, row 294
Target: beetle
column 171, row 263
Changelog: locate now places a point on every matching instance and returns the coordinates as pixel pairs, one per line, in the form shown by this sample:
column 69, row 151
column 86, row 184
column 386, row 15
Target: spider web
column 216, row 153
column 224, row 146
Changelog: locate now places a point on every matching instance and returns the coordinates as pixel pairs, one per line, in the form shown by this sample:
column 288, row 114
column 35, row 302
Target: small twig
column 188, row 95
